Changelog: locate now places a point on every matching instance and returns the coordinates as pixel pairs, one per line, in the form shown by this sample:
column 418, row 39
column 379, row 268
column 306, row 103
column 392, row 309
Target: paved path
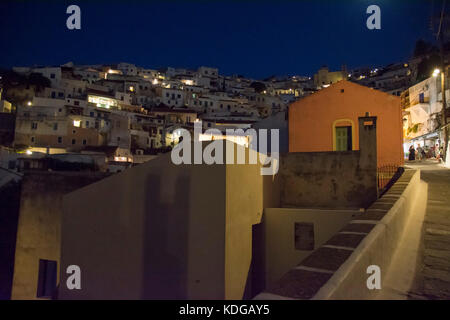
column 432, row 280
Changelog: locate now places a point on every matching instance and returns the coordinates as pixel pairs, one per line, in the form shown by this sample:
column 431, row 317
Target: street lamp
column 436, row 72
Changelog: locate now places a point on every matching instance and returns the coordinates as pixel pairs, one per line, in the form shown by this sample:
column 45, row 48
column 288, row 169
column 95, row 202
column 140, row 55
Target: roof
column 343, row 83
column 100, row 93
column 108, row 150
column 166, row 109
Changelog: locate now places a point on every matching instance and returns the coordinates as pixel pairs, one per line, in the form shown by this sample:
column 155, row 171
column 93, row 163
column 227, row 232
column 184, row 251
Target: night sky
column 252, row 38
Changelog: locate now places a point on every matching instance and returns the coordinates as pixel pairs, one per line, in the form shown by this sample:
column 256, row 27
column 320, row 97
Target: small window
column 46, row 278
column 34, row 125
column 52, row 76
column 84, row 141
column 55, row 126
column 304, row 236
column 59, row 139
column 74, row 141
column 32, row 139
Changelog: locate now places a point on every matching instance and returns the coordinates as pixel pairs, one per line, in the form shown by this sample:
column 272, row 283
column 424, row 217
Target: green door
column 342, row 139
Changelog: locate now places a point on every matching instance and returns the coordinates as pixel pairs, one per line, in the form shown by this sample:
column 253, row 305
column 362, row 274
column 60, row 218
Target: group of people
column 425, row 152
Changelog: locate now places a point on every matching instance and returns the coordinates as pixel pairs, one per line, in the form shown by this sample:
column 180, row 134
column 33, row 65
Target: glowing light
column 131, row 88
column 29, row 152
column 436, row 72
column 155, row 81
column 77, row 123
column 29, row 103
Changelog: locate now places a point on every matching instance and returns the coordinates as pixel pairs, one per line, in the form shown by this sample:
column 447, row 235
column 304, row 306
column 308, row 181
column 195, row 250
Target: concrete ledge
column 338, row 270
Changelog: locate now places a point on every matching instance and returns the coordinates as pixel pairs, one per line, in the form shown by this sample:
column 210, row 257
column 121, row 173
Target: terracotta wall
column 311, row 119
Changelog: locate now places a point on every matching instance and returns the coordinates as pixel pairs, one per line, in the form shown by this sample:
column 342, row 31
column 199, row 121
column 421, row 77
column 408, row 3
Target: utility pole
column 440, row 38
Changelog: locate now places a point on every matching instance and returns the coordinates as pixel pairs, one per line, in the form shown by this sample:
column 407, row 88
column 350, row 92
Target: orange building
column 328, row 121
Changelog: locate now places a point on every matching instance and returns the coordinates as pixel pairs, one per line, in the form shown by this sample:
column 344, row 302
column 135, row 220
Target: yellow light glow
column 77, row 123
column 29, row 152
column 29, row 103
column 436, row 72
column 131, row 88
column 121, row 159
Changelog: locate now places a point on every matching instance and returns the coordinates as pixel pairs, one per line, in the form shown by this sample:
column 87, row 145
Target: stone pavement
column 432, row 279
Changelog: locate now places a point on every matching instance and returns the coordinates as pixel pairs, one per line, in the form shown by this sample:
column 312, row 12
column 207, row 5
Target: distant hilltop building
column 324, row 77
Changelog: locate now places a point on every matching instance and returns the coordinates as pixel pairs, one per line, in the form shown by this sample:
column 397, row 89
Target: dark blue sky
column 252, row 38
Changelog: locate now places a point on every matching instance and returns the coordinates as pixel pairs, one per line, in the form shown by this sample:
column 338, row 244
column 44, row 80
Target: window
column 32, row 139
column 77, row 103
column 343, row 138
column 52, row 75
column 34, row 125
column 59, row 139
column 55, row 126
column 87, row 124
column 91, row 114
column 304, row 236
column 46, row 278
column 60, row 95
column 118, row 139
column 421, row 98
column 74, row 141
column 59, row 110
column 84, row 141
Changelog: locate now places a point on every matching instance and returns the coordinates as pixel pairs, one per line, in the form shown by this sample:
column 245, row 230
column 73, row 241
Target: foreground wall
column 291, row 234
column 338, row 269
column 39, row 224
column 165, row 231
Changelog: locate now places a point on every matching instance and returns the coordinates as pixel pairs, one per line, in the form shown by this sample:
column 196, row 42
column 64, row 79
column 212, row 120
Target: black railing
column 386, row 176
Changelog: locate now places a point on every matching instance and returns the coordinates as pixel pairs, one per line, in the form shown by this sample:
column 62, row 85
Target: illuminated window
column 76, row 123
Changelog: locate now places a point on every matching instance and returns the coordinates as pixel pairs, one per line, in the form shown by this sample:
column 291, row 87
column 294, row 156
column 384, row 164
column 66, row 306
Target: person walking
column 419, row 153
column 412, row 153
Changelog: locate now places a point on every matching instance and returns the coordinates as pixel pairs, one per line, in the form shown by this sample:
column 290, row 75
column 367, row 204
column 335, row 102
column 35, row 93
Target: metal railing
column 386, row 176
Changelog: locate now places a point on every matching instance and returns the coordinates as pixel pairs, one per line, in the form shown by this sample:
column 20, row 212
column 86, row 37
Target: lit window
column 76, row 123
